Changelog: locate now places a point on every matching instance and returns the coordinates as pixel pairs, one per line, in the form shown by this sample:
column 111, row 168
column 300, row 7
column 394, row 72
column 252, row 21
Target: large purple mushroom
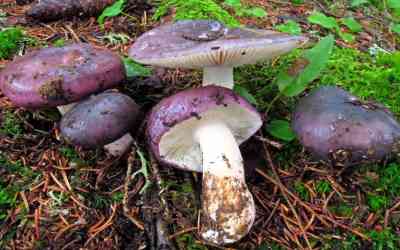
column 340, row 129
column 51, row 77
column 209, row 45
column 200, row 130
column 99, row 120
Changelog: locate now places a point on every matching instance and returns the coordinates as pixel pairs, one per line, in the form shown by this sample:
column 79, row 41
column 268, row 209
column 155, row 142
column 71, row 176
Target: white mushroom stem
column 115, row 148
column 218, row 75
column 228, row 209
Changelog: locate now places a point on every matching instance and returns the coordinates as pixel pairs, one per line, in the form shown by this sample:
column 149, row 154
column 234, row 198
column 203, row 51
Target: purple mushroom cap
column 99, row 120
column 202, row 43
column 51, row 76
column 337, row 127
column 172, row 122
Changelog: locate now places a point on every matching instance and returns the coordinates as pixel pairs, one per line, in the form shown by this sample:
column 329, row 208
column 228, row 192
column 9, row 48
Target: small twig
column 183, row 231
column 128, row 178
column 282, row 188
column 271, row 215
column 270, row 142
column 388, row 212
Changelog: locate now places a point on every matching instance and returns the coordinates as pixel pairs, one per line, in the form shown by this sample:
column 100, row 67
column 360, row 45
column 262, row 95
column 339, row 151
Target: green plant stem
column 276, row 98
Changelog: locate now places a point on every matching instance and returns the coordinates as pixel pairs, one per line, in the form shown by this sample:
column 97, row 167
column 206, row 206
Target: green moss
column 11, row 125
column 385, row 239
column 196, row 9
column 323, row 187
column 10, row 39
column 376, row 78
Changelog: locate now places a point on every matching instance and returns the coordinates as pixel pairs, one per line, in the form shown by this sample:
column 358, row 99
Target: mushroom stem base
column 120, row 146
column 63, row 109
column 219, row 75
column 228, row 209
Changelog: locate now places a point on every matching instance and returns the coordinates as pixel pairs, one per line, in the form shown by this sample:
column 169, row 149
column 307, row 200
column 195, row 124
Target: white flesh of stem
column 228, row 209
column 218, row 75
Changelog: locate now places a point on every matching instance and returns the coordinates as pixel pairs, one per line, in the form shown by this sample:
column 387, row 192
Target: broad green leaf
column 394, row 4
column 306, row 69
column 281, row 129
column 322, row 20
column 356, row 3
column 114, row 10
column 290, row 27
column 256, row 12
column 133, row 69
column 245, row 94
column 352, row 24
column 396, row 28
column 347, row 37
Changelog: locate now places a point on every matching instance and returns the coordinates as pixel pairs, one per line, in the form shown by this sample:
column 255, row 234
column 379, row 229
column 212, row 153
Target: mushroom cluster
column 197, row 129
column 63, row 77
column 201, row 129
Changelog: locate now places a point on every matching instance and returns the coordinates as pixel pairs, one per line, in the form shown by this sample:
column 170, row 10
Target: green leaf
column 114, row 10
column 233, row 3
column 352, row 24
column 290, row 27
column 393, row 4
column 356, row 3
column 306, row 69
column 245, row 94
column 59, row 42
column 322, row 20
column 281, row 129
column 297, row 1
column 133, row 69
column 395, row 28
column 347, row 37
column 256, row 12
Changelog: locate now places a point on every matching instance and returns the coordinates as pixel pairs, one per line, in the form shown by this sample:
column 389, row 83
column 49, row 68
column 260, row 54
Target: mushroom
column 200, row 130
column 52, row 77
column 341, row 129
column 210, row 45
column 60, row 77
column 99, row 120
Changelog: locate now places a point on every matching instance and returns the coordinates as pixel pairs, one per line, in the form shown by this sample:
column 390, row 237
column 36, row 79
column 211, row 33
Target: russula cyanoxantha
column 200, row 130
column 339, row 128
column 52, row 77
column 99, row 120
column 210, row 45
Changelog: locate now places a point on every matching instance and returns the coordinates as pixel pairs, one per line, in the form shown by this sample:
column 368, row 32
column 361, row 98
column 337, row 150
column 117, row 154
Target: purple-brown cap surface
column 51, row 77
column 207, row 43
column 172, row 122
column 99, row 120
column 337, row 127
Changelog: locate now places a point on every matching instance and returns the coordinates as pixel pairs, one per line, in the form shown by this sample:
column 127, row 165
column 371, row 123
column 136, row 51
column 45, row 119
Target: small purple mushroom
column 99, row 120
column 210, row 45
column 200, row 130
column 51, row 77
column 340, row 129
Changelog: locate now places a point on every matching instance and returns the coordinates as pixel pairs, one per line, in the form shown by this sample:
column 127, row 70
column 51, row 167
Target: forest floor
column 57, row 196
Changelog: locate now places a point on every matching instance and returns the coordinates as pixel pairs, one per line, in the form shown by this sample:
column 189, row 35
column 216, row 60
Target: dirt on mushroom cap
column 339, row 128
column 57, row 76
